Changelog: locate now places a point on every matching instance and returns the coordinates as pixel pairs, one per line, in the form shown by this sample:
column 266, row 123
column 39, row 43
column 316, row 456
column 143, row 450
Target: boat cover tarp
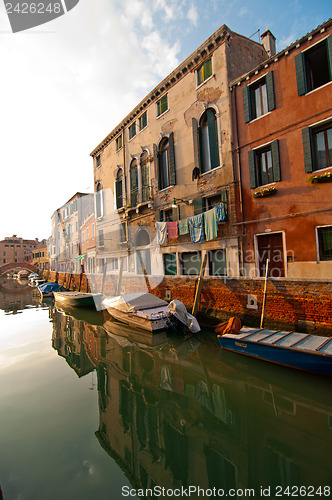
column 132, row 302
column 178, row 309
column 50, row 287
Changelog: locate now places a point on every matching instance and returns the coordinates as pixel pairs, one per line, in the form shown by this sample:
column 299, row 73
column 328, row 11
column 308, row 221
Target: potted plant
column 264, row 191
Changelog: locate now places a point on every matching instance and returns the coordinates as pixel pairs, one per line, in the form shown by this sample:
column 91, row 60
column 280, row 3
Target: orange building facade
column 282, row 132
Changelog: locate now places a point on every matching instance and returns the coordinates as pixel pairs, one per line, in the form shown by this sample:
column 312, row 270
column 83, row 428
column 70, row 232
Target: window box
column 261, row 192
column 318, row 179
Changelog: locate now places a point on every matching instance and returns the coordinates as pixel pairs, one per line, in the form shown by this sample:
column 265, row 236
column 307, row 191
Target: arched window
column 208, row 141
column 99, row 201
column 164, row 164
column 145, row 176
column 119, row 189
column 133, row 174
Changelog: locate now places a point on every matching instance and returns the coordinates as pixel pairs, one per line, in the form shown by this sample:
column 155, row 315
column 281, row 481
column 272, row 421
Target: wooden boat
column 78, row 299
column 142, row 310
column 312, row 353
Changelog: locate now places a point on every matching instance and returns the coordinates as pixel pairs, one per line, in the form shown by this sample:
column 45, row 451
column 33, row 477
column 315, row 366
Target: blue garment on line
column 161, row 232
column 196, row 228
column 220, row 212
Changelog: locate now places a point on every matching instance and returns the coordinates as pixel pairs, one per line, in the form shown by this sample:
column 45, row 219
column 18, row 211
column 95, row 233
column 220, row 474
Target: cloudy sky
column 66, row 84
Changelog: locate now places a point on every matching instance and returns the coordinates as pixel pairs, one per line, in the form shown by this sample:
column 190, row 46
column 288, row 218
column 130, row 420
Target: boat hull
column 151, row 325
column 77, row 299
column 311, row 361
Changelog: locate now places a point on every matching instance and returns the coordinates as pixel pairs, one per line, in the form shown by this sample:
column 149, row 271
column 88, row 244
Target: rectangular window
column 170, row 266
column 217, row 262
column 259, row 97
column 142, row 121
column 264, row 165
column 204, row 71
column 312, row 66
column 132, row 130
column 98, row 161
column 118, row 142
column 162, row 105
column 100, row 237
column 324, row 235
column 190, row 263
column 317, row 147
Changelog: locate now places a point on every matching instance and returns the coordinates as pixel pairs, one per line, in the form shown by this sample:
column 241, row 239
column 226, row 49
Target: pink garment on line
column 172, row 229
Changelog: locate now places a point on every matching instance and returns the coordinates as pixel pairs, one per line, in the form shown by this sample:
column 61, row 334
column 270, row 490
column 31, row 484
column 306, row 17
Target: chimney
column 269, row 42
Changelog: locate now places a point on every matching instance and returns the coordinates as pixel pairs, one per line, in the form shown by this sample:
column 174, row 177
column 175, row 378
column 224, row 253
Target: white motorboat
column 148, row 312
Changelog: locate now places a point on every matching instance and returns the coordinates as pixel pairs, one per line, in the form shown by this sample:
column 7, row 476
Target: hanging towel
column 210, row 224
column 196, row 228
column 172, row 229
column 161, row 232
column 221, row 212
column 183, row 226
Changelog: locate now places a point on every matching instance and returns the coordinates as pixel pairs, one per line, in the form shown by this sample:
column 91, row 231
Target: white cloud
column 192, row 15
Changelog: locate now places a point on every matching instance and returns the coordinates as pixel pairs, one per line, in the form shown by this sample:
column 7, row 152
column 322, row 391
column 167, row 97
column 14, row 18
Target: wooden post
column 265, row 289
column 118, row 288
column 145, row 274
column 199, row 286
column 104, row 277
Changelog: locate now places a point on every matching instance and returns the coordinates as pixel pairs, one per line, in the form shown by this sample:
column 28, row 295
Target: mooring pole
column 199, row 286
column 265, row 290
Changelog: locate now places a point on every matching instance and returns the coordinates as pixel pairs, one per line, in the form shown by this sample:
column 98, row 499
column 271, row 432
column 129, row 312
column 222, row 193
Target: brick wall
column 305, row 305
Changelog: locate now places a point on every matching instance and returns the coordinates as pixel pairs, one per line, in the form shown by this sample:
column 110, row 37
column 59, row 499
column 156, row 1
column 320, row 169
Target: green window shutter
column 275, row 160
column 271, row 102
column 308, row 156
column 199, row 205
column 172, row 174
column 247, row 104
column 213, row 138
column 133, row 186
column 300, row 74
column 194, row 125
column 156, row 167
column 329, row 53
column 252, row 168
column 159, row 215
column 200, row 150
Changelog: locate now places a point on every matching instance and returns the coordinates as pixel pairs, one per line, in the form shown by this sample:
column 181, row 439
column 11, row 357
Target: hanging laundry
column 196, row 228
column 221, row 212
column 161, row 233
column 172, row 229
column 183, row 226
column 210, row 224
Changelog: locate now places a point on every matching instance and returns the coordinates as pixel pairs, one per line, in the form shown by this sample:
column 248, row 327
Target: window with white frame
column 313, row 67
column 204, row 71
column 324, row 242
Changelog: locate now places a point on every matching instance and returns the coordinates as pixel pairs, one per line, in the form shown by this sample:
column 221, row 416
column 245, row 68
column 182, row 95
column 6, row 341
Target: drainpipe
column 125, row 183
column 239, row 176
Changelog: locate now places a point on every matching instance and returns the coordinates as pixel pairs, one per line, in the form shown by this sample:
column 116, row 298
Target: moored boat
column 312, row 353
column 47, row 289
column 78, row 299
column 148, row 312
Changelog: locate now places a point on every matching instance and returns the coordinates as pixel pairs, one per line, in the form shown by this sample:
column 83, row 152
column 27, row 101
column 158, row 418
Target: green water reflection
column 107, row 407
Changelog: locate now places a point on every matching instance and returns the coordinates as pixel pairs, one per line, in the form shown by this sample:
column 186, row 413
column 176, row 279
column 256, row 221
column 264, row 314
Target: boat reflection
column 177, row 412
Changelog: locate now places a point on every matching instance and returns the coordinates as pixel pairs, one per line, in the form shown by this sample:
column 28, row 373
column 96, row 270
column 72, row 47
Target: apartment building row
column 229, row 156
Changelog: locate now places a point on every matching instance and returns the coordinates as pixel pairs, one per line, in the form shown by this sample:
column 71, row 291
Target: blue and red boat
column 312, row 353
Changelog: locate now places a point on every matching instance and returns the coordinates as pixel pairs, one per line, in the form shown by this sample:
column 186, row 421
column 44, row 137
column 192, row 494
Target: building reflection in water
column 177, row 413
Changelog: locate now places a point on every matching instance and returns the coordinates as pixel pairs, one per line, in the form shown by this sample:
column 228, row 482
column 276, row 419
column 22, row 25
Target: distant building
column 40, row 257
column 64, row 246
column 282, row 120
column 15, row 249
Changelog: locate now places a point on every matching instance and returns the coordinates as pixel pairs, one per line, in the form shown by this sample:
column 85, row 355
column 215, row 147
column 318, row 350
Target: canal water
column 90, row 409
